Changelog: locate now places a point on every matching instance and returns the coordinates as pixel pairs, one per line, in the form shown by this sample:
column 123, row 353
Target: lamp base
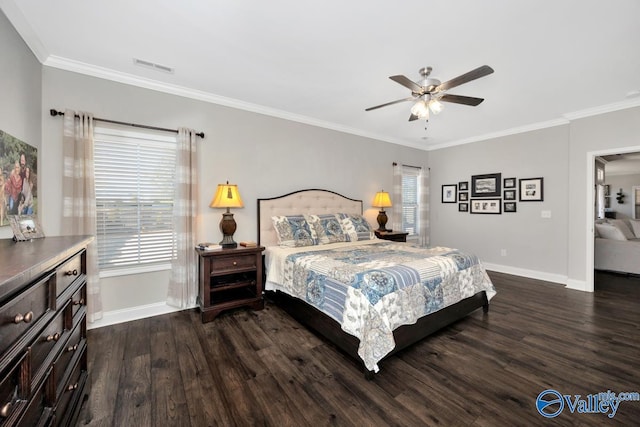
column 228, row 227
column 382, row 220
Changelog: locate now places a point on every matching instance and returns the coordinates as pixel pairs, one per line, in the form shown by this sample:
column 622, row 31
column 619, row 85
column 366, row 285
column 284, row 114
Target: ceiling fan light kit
column 429, row 92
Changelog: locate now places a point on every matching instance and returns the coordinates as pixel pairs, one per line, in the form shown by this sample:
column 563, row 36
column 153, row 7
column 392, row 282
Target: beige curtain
column 183, row 281
column 79, row 198
column 424, row 206
column 423, row 201
column 396, row 198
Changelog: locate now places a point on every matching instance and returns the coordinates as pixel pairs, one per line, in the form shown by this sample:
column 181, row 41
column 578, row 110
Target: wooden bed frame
column 315, row 201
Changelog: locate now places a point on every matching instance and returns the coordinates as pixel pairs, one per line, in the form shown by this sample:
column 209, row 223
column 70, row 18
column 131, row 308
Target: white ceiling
column 324, row 62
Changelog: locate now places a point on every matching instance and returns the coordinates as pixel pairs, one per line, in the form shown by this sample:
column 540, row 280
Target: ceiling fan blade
column 413, row 117
column 404, row 81
column 390, row 103
column 485, row 70
column 459, row 99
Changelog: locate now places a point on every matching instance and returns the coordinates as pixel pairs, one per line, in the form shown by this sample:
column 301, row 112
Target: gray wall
column 534, row 246
column 265, row 156
column 20, row 91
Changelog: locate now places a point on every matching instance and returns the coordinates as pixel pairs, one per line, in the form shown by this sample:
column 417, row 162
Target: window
column 411, row 200
column 134, row 176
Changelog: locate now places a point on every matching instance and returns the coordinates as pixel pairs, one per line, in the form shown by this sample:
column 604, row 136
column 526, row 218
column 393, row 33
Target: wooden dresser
column 43, row 346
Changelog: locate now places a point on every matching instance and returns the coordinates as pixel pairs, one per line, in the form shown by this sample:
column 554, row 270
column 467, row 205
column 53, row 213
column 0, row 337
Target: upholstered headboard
column 313, row 201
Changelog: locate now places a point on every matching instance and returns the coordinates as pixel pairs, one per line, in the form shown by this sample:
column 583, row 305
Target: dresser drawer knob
column 79, row 302
column 235, row 263
column 4, row 411
column 72, row 387
column 54, row 337
column 27, row 318
column 73, row 272
column 73, row 348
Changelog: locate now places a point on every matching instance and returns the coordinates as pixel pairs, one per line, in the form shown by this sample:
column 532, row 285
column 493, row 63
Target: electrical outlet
column 503, row 252
column 545, row 214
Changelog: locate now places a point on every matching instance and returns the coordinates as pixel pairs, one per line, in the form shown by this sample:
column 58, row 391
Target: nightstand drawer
column 225, row 265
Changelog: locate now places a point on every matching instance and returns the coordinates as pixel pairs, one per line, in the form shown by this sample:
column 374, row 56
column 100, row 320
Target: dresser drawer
column 24, row 311
column 37, row 412
column 69, row 392
column 75, row 343
column 12, row 392
column 79, row 300
column 225, row 265
column 43, row 346
column 68, row 272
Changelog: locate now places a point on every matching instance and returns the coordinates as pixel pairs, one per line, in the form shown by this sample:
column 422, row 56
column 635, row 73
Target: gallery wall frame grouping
column 491, row 194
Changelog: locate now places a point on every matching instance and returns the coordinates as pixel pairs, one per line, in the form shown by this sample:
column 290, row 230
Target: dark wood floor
column 262, row 368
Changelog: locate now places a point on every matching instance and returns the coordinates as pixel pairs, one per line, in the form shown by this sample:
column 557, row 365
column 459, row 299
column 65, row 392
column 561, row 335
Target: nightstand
column 394, row 236
column 229, row 278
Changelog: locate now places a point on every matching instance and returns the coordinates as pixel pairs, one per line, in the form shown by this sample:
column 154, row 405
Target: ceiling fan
column 429, row 92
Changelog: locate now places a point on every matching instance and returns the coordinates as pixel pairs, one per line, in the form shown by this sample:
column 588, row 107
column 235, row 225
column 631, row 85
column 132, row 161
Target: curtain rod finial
column 54, row 112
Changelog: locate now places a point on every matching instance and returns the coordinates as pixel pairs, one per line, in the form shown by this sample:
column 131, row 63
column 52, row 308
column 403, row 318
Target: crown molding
column 506, row 132
column 130, row 79
column 125, row 78
column 603, row 109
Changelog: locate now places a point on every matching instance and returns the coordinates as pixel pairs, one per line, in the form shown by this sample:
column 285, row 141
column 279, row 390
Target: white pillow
column 608, row 231
column 635, row 225
column 622, row 226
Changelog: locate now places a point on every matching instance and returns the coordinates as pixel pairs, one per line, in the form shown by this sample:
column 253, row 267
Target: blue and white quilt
column 372, row 287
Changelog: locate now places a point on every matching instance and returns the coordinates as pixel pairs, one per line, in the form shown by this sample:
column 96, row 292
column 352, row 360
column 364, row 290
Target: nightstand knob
column 235, row 263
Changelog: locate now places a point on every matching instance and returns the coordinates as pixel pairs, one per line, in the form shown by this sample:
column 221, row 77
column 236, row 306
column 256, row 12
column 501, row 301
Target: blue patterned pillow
column 355, row 227
column 293, row 231
column 327, row 228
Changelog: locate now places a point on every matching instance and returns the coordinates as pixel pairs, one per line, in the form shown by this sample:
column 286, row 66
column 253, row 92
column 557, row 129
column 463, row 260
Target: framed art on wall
column 463, row 207
column 509, row 183
column 509, row 206
column 532, row 189
column 509, row 194
column 463, row 197
column 449, row 193
column 463, row 185
column 486, row 206
column 487, row 185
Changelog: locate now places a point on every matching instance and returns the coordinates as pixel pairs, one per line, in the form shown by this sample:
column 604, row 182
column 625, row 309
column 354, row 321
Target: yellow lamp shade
column 227, row 196
column 381, row 200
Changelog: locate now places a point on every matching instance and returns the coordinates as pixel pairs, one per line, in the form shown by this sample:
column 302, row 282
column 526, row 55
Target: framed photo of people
column 18, row 178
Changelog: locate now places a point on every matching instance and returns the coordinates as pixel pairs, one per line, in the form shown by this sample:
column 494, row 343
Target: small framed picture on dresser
column 25, row 227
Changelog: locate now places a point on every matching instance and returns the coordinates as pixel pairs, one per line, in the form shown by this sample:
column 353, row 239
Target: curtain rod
column 55, row 113
column 409, row 166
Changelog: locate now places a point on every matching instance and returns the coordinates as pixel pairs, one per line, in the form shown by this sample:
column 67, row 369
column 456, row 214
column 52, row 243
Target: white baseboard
column 134, row 313
column 578, row 285
column 532, row 274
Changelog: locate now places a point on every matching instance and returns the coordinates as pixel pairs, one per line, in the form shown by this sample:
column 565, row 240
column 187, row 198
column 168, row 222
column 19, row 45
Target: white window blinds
column 410, row 200
column 134, row 176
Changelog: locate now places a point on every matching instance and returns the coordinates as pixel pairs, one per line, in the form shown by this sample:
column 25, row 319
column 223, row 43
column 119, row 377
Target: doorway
column 614, row 192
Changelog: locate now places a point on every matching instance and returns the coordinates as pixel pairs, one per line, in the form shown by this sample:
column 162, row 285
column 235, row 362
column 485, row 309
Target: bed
column 369, row 297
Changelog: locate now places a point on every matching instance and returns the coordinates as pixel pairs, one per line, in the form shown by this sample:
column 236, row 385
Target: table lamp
column 227, row 196
column 382, row 200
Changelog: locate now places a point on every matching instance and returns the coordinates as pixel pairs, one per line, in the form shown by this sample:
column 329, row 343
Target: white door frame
column 590, row 209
